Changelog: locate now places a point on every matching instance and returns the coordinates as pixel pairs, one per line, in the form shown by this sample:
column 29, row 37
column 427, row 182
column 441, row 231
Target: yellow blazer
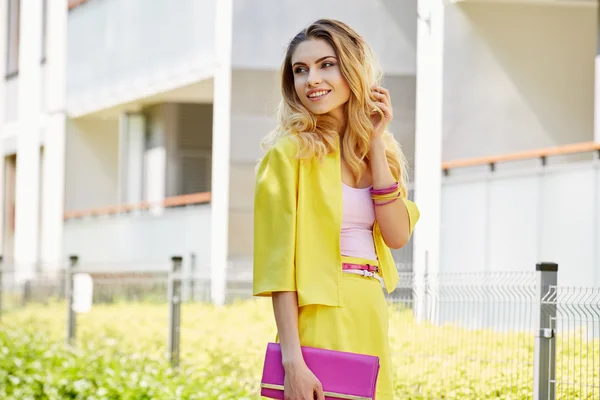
column 297, row 225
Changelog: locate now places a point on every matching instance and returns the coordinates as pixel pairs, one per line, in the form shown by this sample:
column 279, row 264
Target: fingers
column 382, row 95
column 387, row 112
column 382, row 91
column 319, row 393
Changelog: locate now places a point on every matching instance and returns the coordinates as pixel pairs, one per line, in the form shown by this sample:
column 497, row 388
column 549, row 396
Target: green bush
column 120, row 354
column 32, row 367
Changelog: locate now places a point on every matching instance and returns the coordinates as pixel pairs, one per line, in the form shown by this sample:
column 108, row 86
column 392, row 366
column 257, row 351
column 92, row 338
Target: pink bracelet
column 387, row 190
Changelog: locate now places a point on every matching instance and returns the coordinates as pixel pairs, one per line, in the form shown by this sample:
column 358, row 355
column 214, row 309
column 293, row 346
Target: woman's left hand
column 384, row 102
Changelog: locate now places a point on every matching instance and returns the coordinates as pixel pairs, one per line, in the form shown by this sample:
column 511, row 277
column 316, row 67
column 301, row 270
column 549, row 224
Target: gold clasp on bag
column 328, row 394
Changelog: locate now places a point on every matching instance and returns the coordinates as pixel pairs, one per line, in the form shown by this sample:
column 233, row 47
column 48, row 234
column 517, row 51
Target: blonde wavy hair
column 317, row 134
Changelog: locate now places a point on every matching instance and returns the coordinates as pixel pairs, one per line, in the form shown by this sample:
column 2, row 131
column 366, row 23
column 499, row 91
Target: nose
column 314, row 78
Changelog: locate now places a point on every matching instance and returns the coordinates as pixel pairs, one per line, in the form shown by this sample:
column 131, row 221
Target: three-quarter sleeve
column 413, row 215
column 275, row 200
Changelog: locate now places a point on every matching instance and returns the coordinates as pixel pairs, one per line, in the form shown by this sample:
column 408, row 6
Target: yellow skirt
column 360, row 326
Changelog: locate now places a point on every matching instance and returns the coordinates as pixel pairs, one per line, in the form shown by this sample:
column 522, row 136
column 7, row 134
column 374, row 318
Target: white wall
column 11, row 94
column 262, row 29
column 142, row 241
column 123, row 51
column 91, row 167
column 517, row 77
column 509, row 221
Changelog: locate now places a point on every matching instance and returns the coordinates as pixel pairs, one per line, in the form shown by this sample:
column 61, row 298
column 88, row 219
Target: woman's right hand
column 301, row 384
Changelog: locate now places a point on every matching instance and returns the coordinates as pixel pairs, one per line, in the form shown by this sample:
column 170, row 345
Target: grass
column 120, row 354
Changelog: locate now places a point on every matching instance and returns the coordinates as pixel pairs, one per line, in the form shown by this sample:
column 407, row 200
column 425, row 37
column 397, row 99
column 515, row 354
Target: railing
column 140, row 233
column 512, row 215
column 76, row 3
column 175, row 201
column 541, row 154
column 447, row 166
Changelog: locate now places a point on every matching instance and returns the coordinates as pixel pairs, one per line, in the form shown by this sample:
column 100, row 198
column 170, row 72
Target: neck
column 340, row 118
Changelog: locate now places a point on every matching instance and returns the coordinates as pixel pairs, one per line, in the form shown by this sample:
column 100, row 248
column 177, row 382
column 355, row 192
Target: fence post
column 71, row 316
column 544, row 363
column 192, row 275
column 26, row 293
column 1, row 287
column 174, row 297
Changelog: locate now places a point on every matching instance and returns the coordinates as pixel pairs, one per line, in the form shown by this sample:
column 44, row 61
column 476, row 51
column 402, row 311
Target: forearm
column 392, row 218
column 285, row 307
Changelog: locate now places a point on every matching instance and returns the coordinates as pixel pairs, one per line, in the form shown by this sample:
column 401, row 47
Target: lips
column 317, row 94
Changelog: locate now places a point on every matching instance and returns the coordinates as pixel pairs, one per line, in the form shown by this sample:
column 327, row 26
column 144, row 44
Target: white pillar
column 428, row 139
column 53, row 178
column 3, row 99
column 28, row 140
column 221, row 151
column 131, row 157
column 597, row 85
column 3, row 51
column 53, row 171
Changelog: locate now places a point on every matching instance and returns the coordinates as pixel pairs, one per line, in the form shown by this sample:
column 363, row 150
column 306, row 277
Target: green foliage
column 120, row 355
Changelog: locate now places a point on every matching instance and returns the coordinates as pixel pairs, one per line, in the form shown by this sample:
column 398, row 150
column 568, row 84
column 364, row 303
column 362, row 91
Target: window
column 44, row 29
column 12, row 60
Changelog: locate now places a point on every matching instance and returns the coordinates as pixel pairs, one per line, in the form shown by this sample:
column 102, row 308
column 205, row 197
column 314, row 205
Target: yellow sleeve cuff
column 275, row 200
column 413, row 215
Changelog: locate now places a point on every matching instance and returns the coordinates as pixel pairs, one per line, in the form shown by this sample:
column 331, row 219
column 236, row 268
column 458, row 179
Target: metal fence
column 572, row 318
column 472, row 335
column 496, row 335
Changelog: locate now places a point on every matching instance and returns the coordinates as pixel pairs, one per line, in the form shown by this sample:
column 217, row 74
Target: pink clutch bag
column 343, row 375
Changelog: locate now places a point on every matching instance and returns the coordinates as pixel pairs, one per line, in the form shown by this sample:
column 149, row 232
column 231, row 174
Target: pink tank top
column 358, row 217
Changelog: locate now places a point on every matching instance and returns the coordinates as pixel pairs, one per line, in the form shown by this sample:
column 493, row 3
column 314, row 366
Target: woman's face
column 318, row 79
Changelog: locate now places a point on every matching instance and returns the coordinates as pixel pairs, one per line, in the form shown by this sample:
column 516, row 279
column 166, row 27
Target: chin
column 320, row 110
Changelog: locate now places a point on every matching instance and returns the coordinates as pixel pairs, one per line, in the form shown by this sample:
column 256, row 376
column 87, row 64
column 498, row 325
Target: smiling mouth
column 318, row 95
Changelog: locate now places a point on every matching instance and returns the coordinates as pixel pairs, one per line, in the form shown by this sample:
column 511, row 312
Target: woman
column 330, row 202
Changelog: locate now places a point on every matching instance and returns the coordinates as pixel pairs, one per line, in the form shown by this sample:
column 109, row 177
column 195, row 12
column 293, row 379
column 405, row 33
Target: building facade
column 109, row 107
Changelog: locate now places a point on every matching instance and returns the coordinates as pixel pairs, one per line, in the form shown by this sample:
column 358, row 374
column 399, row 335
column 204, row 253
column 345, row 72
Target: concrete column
column 53, row 178
column 53, row 171
column 56, row 56
column 221, row 151
column 3, row 51
column 428, row 140
column 132, row 141
column 28, row 140
column 597, row 85
column 3, row 100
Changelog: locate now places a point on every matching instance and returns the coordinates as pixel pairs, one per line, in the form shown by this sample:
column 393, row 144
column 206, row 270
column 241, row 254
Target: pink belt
column 362, row 267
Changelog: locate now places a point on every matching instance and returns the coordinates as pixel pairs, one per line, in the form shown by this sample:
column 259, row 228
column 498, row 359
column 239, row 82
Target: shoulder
column 286, row 145
column 280, row 156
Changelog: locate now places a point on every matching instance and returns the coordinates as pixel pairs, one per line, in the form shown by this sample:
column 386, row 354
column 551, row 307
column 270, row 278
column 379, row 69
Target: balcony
column 121, row 51
column 143, row 235
column 509, row 212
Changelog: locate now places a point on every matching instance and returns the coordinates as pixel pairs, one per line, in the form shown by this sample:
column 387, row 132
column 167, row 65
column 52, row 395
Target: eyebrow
column 318, row 61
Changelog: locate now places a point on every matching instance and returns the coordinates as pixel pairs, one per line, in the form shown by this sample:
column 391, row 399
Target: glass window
column 12, row 61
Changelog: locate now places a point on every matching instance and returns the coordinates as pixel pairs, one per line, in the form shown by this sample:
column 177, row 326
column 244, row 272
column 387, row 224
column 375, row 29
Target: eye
column 299, row 70
column 327, row 64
